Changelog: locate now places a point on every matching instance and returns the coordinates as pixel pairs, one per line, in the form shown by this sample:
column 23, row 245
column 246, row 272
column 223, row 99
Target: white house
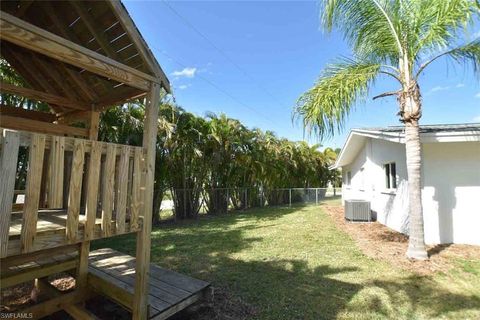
column 374, row 169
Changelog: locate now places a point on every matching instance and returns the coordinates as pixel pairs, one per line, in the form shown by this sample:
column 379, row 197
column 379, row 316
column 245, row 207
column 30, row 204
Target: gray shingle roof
column 431, row 128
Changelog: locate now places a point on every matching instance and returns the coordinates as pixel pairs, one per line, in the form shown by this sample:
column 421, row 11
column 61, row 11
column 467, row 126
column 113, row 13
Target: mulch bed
column 380, row 242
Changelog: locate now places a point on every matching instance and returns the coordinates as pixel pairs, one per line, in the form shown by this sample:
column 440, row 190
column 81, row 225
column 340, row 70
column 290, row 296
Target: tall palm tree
column 396, row 39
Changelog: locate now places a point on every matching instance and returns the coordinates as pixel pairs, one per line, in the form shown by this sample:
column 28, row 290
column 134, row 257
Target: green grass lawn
column 293, row 263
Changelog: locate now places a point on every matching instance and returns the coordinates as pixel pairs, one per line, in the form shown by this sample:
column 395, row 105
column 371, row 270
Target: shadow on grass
column 210, row 249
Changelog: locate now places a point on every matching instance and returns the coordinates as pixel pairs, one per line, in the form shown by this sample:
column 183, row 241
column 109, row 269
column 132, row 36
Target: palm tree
column 396, row 39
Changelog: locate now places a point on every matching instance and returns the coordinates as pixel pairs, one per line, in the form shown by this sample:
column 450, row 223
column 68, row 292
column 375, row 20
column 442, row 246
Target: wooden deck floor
column 49, row 220
column 113, row 273
column 51, row 229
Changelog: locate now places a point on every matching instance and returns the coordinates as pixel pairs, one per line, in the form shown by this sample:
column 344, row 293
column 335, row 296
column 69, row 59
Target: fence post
column 262, row 202
column 228, row 199
column 316, row 196
column 246, row 198
column 289, row 197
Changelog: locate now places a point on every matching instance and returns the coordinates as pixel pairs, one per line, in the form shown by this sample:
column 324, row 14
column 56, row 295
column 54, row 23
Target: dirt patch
column 17, row 297
column 379, row 242
column 225, row 306
column 24, row 295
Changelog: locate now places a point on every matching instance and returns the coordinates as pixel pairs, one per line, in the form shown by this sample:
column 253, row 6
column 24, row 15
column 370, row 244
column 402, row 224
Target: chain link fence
column 187, row 203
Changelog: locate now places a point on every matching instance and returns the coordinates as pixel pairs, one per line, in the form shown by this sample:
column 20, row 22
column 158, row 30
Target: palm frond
column 436, row 24
column 372, row 27
column 324, row 107
column 468, row 53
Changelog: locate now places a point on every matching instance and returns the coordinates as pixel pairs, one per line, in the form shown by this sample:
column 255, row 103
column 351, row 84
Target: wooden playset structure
column 80, row 57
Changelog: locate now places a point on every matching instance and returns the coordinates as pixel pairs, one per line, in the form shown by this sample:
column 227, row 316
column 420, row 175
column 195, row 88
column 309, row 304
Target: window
column 349, row 178
column 390, row 175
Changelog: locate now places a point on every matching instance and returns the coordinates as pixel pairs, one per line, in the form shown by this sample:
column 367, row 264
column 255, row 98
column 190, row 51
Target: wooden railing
column 85, row 189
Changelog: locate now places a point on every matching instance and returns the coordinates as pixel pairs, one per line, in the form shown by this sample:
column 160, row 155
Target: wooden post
column 289, row 197
column 93, row 122
column 140, row 299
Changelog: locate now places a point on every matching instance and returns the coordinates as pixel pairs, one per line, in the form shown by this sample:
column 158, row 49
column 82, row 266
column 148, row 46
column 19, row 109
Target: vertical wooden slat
column 121, row 206
column 45, row 180
column 57, row 161
column 32, row 192
column 108, row 191
column 92, row 189
column 67, row 176
column 8, row 170
column 136, row 203
column 91, row 200
column 74, row 195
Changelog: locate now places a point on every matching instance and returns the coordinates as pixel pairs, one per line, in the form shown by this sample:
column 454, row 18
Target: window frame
column 390, row 175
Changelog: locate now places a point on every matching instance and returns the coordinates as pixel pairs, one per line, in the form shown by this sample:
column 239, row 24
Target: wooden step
column 112, row 273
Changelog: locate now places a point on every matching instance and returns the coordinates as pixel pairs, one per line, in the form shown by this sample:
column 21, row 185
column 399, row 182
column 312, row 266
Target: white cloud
column 477, row 95
column 444, row 88
column 183, row 86
column 186, row 72
column 438, row 88
column 476, row 119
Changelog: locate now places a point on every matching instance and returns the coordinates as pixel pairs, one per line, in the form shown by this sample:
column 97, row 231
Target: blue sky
column 252, row 60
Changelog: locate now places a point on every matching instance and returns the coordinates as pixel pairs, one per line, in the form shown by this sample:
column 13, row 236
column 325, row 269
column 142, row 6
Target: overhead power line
column 217, row 87
column 222, row 52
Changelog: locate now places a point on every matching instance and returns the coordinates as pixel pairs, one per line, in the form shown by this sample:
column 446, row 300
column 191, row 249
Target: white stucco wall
column 451, row 193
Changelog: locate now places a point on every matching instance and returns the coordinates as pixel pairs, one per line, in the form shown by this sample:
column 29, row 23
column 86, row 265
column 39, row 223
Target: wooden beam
column 73, row 116
column 140, row 300
column 39, row 40
column 42, row 96
column 80, row 82
column 49, row 70
column 16, row 260
column 94, row 29
column 93, row 122
column 78, row 312
column 18, row 60
column 118, row 98
column 37, row 272
column 16, row 123
column 145, row 53
column 48, row 307
column 64, row 30
column 27, row 114
column 110, row 286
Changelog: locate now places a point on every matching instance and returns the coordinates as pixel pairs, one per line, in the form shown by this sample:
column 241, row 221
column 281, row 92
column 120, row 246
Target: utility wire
column 214, row 85
column 227, row 57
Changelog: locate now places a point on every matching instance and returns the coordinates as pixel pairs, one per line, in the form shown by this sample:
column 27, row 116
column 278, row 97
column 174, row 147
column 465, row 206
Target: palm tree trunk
column 416, row 245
